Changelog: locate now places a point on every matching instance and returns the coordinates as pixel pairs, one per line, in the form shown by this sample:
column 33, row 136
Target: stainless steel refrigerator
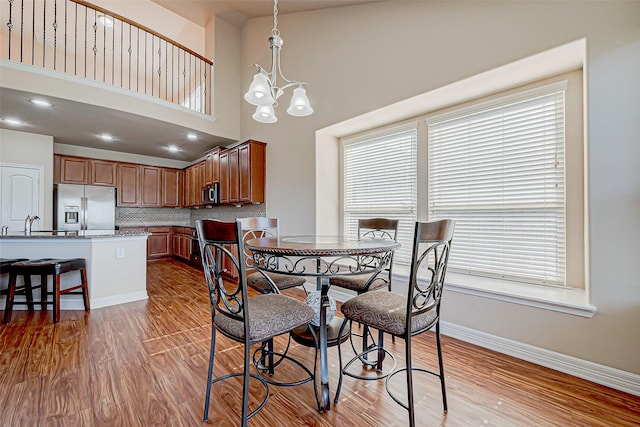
column 84, row 207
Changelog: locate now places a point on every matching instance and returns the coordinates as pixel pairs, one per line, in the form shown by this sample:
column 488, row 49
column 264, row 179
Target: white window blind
column 380, row 181
column 498, row 170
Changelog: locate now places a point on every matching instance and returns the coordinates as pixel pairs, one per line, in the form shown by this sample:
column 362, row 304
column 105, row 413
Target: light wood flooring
column 145, row 364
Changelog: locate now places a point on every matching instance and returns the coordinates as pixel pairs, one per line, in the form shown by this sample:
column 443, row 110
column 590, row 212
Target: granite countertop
column 61, row 234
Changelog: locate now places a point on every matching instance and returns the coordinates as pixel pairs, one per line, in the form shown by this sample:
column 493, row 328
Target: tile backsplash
column 185, row 217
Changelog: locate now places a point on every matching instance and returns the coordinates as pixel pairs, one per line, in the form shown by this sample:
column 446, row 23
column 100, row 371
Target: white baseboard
column 119, row 299
column 600, row 374
column 74, row 302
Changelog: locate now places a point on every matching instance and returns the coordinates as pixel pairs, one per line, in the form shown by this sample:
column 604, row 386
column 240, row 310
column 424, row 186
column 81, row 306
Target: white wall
column 30, row 149
column 362, row 58
column 223, row 44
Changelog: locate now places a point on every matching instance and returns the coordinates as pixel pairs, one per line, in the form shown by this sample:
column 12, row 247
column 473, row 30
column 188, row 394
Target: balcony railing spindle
column 186, row 74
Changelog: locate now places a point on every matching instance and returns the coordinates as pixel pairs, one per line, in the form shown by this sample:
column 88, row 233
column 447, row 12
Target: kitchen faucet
column 28, row 221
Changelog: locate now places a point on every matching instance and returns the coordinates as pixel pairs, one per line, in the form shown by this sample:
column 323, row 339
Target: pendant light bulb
column 299, row 105
column 259, row 92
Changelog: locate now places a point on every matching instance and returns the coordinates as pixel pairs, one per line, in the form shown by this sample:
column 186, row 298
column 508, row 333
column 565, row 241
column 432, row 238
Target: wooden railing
column 84, row 40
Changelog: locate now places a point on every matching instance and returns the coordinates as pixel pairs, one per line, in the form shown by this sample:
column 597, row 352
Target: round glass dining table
column 321, row 257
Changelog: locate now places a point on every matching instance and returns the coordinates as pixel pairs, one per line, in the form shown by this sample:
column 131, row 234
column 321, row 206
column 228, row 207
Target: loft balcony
column 83, row 53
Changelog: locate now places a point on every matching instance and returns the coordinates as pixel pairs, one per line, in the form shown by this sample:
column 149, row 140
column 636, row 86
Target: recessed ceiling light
column 41, row 103
column 106, row 137
column 107, row 21
column 192, row 136
column 173, row 148
column 13, row 121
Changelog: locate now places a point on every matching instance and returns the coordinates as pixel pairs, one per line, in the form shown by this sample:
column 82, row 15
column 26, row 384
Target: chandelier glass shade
column 264, row 91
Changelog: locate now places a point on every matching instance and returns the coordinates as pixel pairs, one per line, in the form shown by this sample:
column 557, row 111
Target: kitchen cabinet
column 201, row 180
column 191, row 178
column 194, row 177
column 212, row 166
column 181, row 243
column 242, row 173
column 83, row 171
column 150, row 186
column 171, row 187
column 234, row 178
column 70, row 170
column 224, row 176
column 103, row 172
column 251, row 172
column 128, row 180
column 158, row 242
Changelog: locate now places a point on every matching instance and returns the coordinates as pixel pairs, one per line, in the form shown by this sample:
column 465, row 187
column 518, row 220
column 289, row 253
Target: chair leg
column 43, row 292
column 212, row 352
column 28, row 292
column 381, row 352
column 441, row 366
column 11, row 293
column 412, row 418
column 245, row 382
column 344, row 323
column 85, row 289
column 56, row 299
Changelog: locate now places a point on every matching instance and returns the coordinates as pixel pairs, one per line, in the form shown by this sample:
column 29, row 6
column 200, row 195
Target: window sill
column 565, row 300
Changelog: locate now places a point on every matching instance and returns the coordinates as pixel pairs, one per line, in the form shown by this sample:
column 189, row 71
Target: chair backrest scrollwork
column 431, row 246
column 227, row 297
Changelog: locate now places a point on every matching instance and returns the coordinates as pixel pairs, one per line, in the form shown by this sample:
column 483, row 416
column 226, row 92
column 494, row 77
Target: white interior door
column 21, row 194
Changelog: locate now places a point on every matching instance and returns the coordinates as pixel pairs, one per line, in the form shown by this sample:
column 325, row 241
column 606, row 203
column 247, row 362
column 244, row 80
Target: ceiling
column 77, row 123
column 238, row 11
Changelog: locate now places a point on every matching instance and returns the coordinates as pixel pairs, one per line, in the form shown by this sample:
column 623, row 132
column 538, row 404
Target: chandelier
column 264, row 91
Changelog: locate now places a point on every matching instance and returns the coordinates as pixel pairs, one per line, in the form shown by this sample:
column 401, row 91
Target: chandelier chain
column 275, row 30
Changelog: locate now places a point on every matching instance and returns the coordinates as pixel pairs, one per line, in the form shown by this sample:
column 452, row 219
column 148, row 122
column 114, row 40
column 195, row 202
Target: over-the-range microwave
column 211, row 194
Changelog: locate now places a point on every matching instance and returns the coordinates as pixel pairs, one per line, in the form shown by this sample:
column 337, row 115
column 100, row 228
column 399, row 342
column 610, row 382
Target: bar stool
column 47, row 267
column 25, row 289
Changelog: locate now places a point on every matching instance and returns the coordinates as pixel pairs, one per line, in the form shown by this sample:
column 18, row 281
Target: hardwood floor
column 145, row 364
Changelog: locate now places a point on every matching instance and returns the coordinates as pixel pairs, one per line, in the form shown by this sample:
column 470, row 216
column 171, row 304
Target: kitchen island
column 116, row 262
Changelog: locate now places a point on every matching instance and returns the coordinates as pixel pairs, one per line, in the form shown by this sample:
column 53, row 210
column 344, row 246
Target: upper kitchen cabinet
column 251, row 171
column 80, row 170
column 242, row 173
column 212, row 166
column 70, row 170
column 171, row 187
column 224, row 176
column 150, row 186
column 103, row 172
column 194, row 181
column 128, row 180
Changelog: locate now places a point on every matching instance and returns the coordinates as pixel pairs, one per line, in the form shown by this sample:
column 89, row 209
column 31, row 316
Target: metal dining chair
column 371, row 228
column 255, row 228
column 406, row 316
column 249, row 321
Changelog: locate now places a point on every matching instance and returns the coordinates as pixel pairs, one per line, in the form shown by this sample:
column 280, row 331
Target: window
column 380, row 180
column 498, row 169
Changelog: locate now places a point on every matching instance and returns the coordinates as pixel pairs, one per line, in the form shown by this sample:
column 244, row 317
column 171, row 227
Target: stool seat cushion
column 6, row 262
column 270, row 315
column 48, row 266
column 360, row 282
column 282, row 281
column 386, row 311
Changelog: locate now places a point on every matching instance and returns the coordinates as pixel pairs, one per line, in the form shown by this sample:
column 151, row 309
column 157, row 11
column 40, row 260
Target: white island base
column 116, row 265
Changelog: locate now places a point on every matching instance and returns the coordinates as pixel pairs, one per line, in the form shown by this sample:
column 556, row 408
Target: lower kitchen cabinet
column 181, row 243
column 159, row 242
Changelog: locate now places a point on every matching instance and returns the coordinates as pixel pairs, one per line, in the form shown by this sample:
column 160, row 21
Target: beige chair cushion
column 359, row 283
column 385, row 311
column 270, row 315
column 283, row 281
